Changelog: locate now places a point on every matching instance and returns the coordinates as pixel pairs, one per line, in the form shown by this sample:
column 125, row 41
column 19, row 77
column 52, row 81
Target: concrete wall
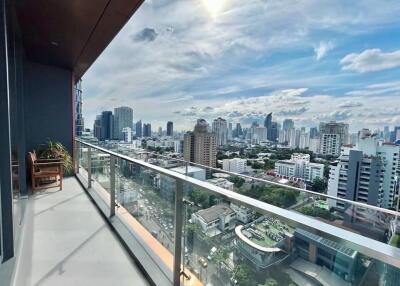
column 48, row 105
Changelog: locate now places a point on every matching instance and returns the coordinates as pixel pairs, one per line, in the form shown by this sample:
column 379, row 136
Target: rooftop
column 268, row 232
column 213, row 213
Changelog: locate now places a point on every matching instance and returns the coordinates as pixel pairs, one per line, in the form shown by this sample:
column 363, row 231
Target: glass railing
column 241, row 230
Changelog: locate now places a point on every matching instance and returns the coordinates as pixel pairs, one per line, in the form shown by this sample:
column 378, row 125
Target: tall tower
column 200, row 146
column 139, row 127
column 107, row 120
column 79, row 123
column 123, row 117
column 220, row 129
column 170, row 128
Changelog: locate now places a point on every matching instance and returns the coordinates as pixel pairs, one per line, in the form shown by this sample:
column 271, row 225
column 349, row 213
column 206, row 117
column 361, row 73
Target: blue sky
column 310, row 60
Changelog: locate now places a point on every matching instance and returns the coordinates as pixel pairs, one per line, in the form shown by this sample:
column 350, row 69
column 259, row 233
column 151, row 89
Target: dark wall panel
column 48, row 105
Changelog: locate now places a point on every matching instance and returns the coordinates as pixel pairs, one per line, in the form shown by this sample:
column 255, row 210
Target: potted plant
column 54, row 150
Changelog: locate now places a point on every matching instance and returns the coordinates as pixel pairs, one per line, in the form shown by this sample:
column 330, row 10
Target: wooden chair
column 45, row 168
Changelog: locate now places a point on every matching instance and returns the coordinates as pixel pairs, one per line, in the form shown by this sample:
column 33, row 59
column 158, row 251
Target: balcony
column 272, row 241
column 121, row 217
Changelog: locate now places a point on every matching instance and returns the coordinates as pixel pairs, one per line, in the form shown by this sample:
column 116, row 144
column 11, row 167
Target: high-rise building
column 107, row 122
column 97, row 127
column 138, row 129
column 390, row 156
column 273, row 132
column 268, row 120
column 238, row 130
column 357, row 178
column 170, row 128
column 304, row 142
column 200, row 146
column 313, row 132
column 220, row 129
column 230, row 131
column 294, row 137
column 146, row 130
column 123, row 117
column 127, row 133
column 332, row 136
column 287, row 124
column 79, row 123
column 272, row 128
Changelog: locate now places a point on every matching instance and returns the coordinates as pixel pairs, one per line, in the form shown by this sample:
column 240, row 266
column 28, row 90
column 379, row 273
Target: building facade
column 200, row 146
column 220, row 129
column 123, row 117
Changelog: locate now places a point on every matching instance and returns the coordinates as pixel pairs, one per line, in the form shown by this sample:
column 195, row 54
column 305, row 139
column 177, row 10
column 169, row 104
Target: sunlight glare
column 214, row 7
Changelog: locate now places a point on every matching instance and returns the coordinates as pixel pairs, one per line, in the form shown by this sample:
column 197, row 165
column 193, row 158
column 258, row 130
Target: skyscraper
column 139, row 127
column 287, row 124
column 220, row 128
column 268, row 120
column 97, row 127
column 146, row 130
column 273, row 132
column 107, row 121
column 238, row 130
column 123, row 117
column 200, row 146
column 332, row 136
column 79, row 123
column 170, row 128
column 313, row 132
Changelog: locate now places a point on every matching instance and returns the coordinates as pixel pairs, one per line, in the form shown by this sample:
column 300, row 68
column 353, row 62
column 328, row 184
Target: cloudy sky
column 311, row 60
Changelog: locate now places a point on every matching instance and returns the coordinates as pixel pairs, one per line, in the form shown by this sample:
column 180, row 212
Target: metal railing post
column 112, row 185
column 178, row 232
column 89, row 167
column 77, row 156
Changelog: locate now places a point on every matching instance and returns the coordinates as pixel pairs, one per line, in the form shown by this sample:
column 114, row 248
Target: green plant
column 56, row 150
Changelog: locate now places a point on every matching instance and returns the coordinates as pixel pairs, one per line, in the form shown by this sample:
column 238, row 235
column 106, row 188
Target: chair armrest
column 42, row 160
column 47, row 163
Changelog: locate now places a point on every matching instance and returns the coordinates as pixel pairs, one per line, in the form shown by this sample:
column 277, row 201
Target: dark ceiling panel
column 71, row 33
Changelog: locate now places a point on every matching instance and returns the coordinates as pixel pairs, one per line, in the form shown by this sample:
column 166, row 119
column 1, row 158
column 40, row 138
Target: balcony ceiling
column 73, row 33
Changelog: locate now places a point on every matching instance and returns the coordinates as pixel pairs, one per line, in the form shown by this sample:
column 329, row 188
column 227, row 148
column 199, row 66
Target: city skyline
column 243, row 64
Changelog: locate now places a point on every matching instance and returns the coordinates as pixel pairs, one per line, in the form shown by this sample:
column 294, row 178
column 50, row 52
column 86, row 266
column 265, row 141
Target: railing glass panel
column 249, row 231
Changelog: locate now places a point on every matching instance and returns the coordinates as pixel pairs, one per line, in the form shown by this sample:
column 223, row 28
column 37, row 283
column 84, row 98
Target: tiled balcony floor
column 67, row 242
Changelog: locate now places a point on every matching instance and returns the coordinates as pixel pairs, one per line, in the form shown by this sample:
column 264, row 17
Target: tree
column 319, row 185
column 237, row 181
column 243, row 275
column 269, row 282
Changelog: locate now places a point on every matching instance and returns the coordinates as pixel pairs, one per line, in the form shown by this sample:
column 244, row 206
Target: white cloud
column 371, row 60
column 322, row 49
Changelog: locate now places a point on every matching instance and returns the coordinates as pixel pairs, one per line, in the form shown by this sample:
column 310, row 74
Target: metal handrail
column 358, row 204
column 367, row 246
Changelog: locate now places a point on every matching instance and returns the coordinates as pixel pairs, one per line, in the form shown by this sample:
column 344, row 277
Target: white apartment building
column 222, row 183
column 314, row 145
column 332, row 136
column 299, row 166
column 215, row 220
column 243, row 214
column 304, row 141
column 127, row 134
column 375, row 154
column 235, row 165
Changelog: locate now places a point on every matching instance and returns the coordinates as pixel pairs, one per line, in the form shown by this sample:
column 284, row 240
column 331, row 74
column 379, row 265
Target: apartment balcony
column 120, row 219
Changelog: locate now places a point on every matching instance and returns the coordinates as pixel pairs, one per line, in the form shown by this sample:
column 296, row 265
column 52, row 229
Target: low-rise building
column 243, row 214
column 235, row 165
column 215, row 220
column 264, row 242
column 222, row 183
